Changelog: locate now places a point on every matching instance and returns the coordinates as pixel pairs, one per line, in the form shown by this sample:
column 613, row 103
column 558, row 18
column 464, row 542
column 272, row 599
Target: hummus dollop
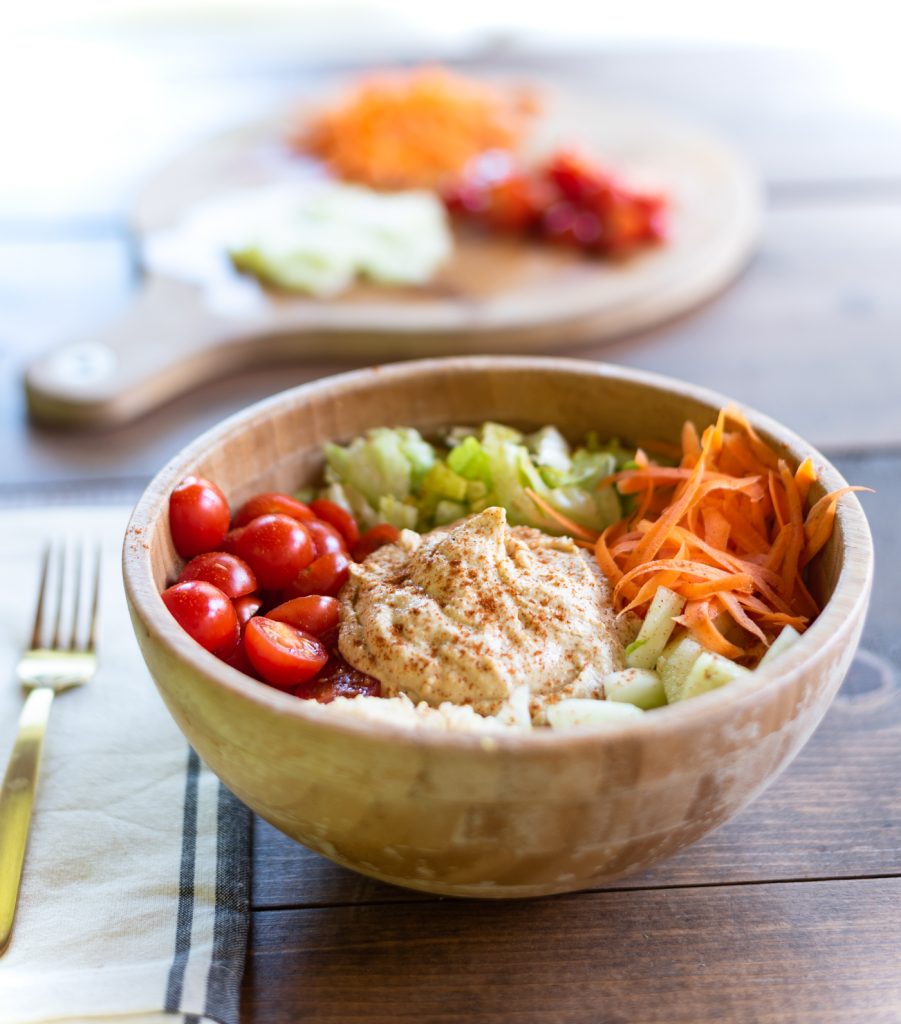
column 468, row 614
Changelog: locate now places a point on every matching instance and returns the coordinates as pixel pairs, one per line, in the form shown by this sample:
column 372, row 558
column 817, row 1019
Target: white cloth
column 133, row 904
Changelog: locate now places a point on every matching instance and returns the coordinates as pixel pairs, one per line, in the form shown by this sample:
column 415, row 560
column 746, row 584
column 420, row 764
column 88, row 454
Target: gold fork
column 44, row 670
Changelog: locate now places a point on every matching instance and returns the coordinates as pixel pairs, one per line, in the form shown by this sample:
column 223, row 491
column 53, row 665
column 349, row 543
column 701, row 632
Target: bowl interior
column 531, row 813
column 277, row 445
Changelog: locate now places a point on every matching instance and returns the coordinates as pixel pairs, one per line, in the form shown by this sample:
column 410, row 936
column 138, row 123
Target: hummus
column 468, row 614
column 445, row 718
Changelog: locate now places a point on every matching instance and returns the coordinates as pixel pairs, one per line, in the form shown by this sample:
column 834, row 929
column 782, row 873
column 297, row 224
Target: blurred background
column 95, row 96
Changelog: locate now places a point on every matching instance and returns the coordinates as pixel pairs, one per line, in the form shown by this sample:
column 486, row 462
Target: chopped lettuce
column 385, row 461
column 394, row 475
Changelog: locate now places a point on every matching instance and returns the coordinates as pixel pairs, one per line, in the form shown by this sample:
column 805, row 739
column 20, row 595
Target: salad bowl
column 524, row 814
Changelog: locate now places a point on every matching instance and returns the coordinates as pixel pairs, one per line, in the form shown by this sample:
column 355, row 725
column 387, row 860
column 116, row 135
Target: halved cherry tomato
column 276, row 548
column 373, row 539
column 225, row 571
column 246, row 607
column 325, row 537
column 272, row 503
column 338, row 679
column 284, row 656
column 340, row 518
column 198, row 516
column 204, row 612
column 313, row 614
column 326, row 576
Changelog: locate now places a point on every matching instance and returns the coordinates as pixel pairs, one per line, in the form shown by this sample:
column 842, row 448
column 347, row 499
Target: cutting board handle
column 164, row 344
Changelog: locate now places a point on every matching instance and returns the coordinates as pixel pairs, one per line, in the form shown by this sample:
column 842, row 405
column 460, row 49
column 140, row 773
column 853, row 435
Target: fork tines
column 62, row 573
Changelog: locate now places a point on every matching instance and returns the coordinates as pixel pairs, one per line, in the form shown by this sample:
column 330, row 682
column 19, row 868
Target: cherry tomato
column 577, row 178
column 204, row 612
column 373, row 539
column 338, row 679
column 467, row 198
column 272, row 503
column 284, row 656
column 325, row 538
column 514, row 204
column 340, row 518
column 313, row 614
column 198, row 516
column 231, row 540
column 237, row 658
column 326, row 576
column 566, row 222
column 227, row 572
column 246, row 607
column 329, row 639
column 276, row 548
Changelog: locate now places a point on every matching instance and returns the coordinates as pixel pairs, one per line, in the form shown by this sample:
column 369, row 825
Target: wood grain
column 522, row 815
column 492, row 294
column 822, row 284
column 817, row 953
column 834, row 814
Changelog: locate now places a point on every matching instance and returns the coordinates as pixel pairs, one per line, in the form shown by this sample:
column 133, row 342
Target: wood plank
column 823, row 952
column 780, row 339
column 818, row 294
column 835, row 813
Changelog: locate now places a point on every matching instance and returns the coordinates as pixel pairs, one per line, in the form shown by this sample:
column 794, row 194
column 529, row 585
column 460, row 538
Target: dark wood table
column 792, row 911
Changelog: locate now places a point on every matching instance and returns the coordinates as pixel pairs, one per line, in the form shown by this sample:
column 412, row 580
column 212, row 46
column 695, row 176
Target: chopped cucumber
column 444, row 483
column 637, row 686
column 786, row 639
column 658, row 625
column 449, row 512
column 490, row 465
column 709, row 672
column 675, row 663
column 577, row 712
column 397, row 513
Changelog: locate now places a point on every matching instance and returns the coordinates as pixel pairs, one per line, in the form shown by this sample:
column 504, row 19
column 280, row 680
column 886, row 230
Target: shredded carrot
column 726, row 529
column 415, row 129
column 805, row 478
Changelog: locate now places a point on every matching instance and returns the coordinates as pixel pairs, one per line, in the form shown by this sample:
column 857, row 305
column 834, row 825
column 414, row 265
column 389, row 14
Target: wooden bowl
column 519, row 815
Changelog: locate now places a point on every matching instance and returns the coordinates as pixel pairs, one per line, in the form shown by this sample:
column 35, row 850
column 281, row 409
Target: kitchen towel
column 134, row 901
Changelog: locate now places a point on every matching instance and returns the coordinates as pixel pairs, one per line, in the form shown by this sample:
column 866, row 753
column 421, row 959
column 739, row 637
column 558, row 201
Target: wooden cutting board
column 495, row 294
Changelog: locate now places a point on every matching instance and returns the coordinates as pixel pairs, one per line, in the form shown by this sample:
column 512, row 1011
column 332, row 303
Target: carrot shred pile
column 726, row 529
column 414, row 129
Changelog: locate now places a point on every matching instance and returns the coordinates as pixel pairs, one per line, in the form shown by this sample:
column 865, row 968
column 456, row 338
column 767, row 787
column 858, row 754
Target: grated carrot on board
column 415, row 129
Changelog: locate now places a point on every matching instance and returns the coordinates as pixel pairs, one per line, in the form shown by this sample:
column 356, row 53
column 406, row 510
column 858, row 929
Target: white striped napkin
column 134, row 902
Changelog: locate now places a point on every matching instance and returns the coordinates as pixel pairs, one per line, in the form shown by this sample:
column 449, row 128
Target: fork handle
column 17, row 801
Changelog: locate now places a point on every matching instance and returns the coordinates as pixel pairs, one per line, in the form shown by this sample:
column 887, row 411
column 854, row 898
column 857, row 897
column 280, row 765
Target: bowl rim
column 837, row 618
